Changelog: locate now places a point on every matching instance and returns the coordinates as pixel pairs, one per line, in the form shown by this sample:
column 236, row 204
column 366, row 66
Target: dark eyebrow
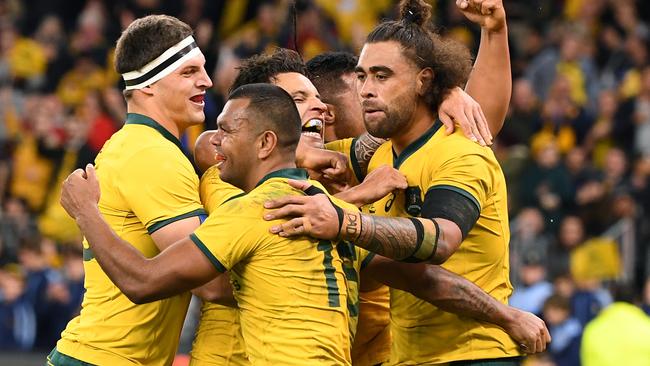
column 384, row 69
column 359, row 69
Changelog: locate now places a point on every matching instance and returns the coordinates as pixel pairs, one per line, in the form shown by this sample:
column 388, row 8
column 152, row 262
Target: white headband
column 162, row 65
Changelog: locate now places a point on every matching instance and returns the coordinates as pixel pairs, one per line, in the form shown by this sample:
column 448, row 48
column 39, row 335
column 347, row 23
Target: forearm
column 123, row 264
column 357, row 195
column 364, row 148
column 455, row 294
column 490, row 82
column 402, row 239
column 391, row 237
column 350, row 196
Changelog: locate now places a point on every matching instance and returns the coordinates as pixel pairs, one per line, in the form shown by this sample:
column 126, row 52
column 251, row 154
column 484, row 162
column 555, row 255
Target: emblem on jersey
column 390, row 202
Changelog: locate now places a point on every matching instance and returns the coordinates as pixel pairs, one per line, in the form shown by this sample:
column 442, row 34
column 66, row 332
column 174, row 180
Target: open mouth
column 198, row 99
column 219, row 158
column 313, row 127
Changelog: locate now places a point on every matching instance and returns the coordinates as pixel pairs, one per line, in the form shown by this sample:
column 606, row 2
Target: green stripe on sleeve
column 162, row 223
column 88, row 254
column 220, row 267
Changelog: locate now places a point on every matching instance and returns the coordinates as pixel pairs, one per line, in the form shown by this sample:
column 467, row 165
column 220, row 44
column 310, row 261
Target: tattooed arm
column 409, row 239
column 455, row 294
column 364, row 148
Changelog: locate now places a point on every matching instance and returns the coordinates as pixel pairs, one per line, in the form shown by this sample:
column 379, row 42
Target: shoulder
column 342, row 146
column 383, row 155
column 455, row 148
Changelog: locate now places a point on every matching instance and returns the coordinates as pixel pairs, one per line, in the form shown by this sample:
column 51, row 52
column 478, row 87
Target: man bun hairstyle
column 272, row 108
column 417, row 12
column 450, row 61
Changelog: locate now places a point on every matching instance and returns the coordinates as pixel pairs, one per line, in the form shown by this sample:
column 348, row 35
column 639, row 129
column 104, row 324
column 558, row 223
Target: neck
column 265, row 168
column 421, row 122
column 158, row 116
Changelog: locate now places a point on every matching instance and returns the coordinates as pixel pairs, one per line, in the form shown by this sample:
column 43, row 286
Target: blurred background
column 575, row 147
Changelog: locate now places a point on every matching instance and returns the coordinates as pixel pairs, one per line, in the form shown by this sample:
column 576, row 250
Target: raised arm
column 455, row 294
column 178, row 268
column 490, row 81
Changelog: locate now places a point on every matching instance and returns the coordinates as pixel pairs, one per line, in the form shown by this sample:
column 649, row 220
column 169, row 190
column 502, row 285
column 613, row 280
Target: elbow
column 138, row 295
column 136, row 298
column 212, row 295
column 140, row 291
column 441, row 255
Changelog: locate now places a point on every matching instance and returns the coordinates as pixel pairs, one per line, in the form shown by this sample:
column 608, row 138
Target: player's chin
column 196, row 117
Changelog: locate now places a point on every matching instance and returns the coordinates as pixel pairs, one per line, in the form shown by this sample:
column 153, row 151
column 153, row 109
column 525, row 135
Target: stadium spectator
column 565, row 330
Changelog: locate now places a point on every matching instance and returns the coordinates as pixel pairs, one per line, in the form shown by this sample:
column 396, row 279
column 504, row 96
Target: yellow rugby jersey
column 214, row 192
column 355, row 259
column 146, row 183
column 371, row 344
column 422, row 333
column 346, row 146
column 291, row 293
column 218, row 340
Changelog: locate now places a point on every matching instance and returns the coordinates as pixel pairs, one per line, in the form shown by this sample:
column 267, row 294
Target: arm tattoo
column 391, row 237
column 364, row 148
column 458, row 295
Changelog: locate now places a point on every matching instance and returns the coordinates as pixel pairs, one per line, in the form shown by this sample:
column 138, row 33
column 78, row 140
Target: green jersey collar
column 140, row 119
column 290, row 173
column 415, row 145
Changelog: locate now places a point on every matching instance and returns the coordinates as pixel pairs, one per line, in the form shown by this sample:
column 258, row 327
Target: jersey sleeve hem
column 460, row 191
column 162, row 223
column 217, row 264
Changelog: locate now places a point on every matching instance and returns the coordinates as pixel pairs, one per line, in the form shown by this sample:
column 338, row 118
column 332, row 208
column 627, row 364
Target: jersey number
column 326, row 247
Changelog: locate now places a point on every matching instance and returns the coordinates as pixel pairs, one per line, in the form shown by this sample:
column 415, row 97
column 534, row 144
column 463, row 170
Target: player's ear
column 149, row 90
column 330, row 114
column 424, row 80
column 266, row 144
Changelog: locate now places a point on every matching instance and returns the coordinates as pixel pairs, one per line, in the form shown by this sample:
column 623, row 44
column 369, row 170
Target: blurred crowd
column 575, row 147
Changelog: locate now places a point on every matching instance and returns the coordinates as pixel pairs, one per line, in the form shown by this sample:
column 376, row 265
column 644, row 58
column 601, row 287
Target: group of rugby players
column 327, row 221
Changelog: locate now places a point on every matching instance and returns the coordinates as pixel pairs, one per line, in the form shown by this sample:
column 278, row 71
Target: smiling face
column 386, row 82
column 180, row 95
column 310, row 107
column 234, row 142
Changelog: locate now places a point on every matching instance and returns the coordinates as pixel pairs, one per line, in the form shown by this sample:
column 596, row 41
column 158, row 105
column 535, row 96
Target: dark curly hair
column 450, row 61
column 326, row 69
column 263, row 68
